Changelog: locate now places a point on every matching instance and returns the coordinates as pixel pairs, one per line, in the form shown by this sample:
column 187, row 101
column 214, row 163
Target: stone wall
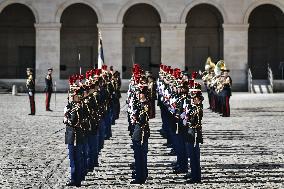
column 173, row 14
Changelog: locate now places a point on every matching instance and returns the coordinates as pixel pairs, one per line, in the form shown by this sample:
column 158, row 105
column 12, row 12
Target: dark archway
column 141, row 39
column 266, row 41
column 17, row 41
column 203, row 36
column 78, row 35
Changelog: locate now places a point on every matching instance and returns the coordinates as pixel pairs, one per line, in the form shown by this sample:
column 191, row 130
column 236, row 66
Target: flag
column 100, row 51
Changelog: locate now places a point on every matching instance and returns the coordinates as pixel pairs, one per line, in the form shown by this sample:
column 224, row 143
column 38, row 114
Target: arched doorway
column 266, row 41
column 17, row 41
column 78, row 40
column 203, row 36
column 141, row 39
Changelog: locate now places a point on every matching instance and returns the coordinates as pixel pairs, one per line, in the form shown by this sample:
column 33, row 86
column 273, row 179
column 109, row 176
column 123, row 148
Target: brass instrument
column 220, row 64
column 209, row 65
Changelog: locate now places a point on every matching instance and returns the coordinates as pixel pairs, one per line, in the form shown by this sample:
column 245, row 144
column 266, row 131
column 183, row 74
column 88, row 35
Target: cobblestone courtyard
column 243, row 151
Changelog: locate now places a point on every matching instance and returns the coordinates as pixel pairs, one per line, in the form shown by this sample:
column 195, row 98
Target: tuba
column 209, row 64
column 219, row 66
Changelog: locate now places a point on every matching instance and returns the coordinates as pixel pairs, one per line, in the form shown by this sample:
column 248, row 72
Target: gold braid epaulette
column 75, row 109
column 196, row 112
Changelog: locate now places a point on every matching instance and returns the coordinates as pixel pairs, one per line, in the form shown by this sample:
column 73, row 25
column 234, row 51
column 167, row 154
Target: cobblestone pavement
column 243, row 151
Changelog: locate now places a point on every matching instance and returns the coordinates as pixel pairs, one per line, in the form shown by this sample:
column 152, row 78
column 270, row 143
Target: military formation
column 93, row 106
column 218, row 86
column 180, row 100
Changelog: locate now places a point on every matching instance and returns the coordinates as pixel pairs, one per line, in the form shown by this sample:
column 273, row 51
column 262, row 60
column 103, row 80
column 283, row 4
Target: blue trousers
column 140, row 156
column 76, row 162
column 108, row 122
column 165, row 126
column 145, row 159
column 171, row 129
column 93, row 143
column 101, row 134
column 182, row 159
column 85, row 155
column 194, row 155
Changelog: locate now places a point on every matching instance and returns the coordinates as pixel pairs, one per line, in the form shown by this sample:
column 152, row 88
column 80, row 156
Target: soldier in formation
column 140, row 98
column 30, row 84
column 180, row 100
column 88, row 117
column 218, row 84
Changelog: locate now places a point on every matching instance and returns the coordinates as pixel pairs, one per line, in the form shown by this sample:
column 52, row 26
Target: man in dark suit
column 30, row 84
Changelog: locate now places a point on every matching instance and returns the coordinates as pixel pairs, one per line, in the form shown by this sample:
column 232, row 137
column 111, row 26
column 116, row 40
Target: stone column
column 173, row 44
column 236, row 53
column 47, row 53
column 112, row 44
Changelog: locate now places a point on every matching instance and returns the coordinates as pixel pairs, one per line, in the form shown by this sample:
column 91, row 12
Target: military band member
column 48, row 89
column 30, row 84
column 218, row 84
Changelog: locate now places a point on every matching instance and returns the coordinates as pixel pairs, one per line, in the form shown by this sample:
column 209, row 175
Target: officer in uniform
column 194, row 135
column 140, row 137
column 138, row 124
column 30, row 84
column 48, row 89
column 226, row 92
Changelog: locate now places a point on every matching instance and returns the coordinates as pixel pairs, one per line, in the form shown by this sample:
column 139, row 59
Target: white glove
column 30, row 94
column 184, row 121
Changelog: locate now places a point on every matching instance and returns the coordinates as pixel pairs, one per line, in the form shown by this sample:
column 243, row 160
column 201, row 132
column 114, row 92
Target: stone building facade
column 63, row 34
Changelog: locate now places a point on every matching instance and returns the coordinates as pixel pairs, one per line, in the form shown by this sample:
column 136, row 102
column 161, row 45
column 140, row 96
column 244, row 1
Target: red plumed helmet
column 99, row 71
column 71, row 80
column 191, row 83
column 194, row 75
column 104, row 67
column 87, row 74
column 81, row 77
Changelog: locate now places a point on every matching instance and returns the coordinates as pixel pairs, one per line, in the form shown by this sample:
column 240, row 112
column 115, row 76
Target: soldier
column 74, row 138
column 48, row 89
column 140, row 136
column 138, row 123
column 30, row 84
column 194, row 135
column 152, row 87
column 116, row 105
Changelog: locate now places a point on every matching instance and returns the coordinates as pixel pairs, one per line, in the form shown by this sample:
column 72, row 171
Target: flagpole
column 100, row 51
column 79, row 58
column 132, row 60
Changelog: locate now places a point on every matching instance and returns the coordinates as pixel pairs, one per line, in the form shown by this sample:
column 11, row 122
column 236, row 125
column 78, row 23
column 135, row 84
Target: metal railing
column 270, row 76
column 249, row 81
